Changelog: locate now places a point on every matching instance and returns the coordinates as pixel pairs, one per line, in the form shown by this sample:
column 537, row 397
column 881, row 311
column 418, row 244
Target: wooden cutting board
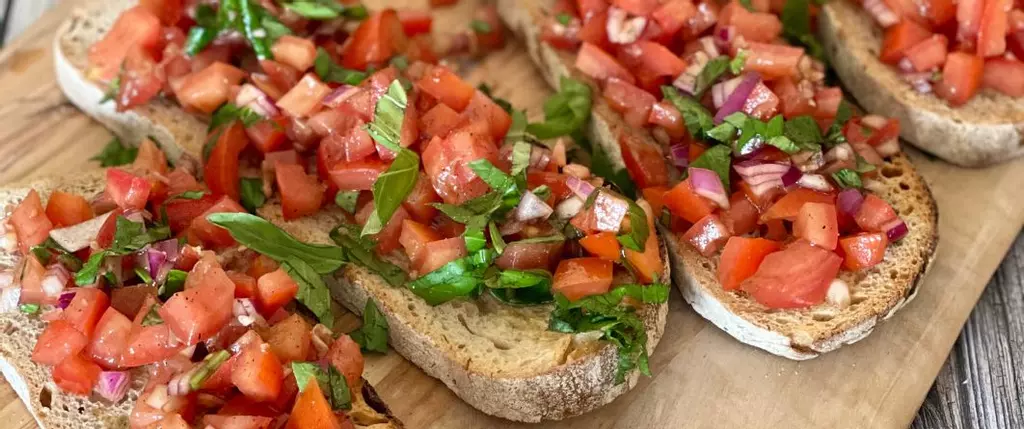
column 702, row 377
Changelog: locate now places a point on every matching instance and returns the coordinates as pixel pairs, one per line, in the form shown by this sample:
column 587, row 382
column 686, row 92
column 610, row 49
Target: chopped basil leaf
column 373, row 335
column 29, row 308
column 360, row 250
column 474, row 234
column 496, row 238
column 399, row 62
column 274, row 28
column 341, row 396
column 601, row 165
column 115, row 153
column 713, row 70
column 636, row 238
column 565, row 112
column 518, row 287
column 130, row 236
column 306, row 371
column 724, row 132
column 268, row 239
column 747, row 5
column 619, row 324
column 188, row 195
column 698, row 119
column 520, row 158
column 347, row 200
column 209, row 365
column 718, row 159
column 804, row 132
column 847, row 178
column 797, row 27
column 459, row 278
column 501, row 102
column 143, row 275
column 313, row 292
column 835, row 135
column 784, row 144
column 229, row 112
column 175, row 283
column 517, row 131
column 91, row 269
column 492, row 176
column 252, row 194
column 391, row 188
column 736, row 64
column 328, row 71
column 315, row 10
column 863, row 166
column 113, row 87
column 563, row 18
column 331, row 382
column 480, row 26
column 252, row 16
column 542, row 192
column 45, row 250
column 557, row 237
column 152, row 317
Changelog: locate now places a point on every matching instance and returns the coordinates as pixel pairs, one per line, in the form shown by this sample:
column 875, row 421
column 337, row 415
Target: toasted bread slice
column 500, row 359
column 51, row 407
column 988, row 129
column 796, row 334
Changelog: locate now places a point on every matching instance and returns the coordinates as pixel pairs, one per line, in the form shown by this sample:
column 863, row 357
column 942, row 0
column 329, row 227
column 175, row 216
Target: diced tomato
column 245, row 285
column 150, row 158
column 140, row 79
column 447, row 87
column 257, row 373
column 494, row 38
column 530, row 256
column 169, row 11
column 221, row 169
column 634, row 103
column 1003, row 75
column 599, row 65
column 636, row 7
column 741, row 217
column 863, row 250
column 345, row 355
column 127, row 190
column 595, row 31
column 377, row 39
column 440, row 120
column 237, row 422
column 603, row 245
column 149, row 344
column 301, row 193
column 797, row 276
column 181, row 212
column 204, row 307
column 582, row 277
column 278, row 78
column 928, row 53
column 673, row 15
column 588, row 8
column 419, row 201
column 901, row 37
column 653, row 58
column 58, row 341
column 32, row 281
column 561, row 36
column 436, row 254
column 482, row 108
column 305, row 97
column 446, row 162
column 682, row 201
column 274, row 290
column 129, row 299
column 655, row 196
column 76, row 374
column 85, row 309
column 874, row 213
column 110, row 339
column 213, row 235
column 665, row 115
column 647, row 264
column 817, row 223
column 792, row 101
column 268, row 135
column 992, row 28
column 294, row 51
column 706, row 17
column 415, row 237
column 357, row 175
column 30, row 222
column 209, row 88
column 707, row 235
column 415, row 22
column 134, row 27
column 773, row 61
column 311, row 410
column 644, row 161
column 762, row 103
column 64, row 209
column 289, row 339
column 740, row 259
column 788, row 207
column 388, row 238
column 752, row 26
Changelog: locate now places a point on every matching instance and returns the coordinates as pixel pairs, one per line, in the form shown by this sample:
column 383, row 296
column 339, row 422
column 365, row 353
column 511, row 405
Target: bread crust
column 794, row 334
column 989, row 129
column 582, row 377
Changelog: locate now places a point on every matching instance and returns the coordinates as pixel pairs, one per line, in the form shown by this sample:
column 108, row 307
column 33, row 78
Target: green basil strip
column 713, row 70
column 565, row 112
column 175, row 283
column 360, row 250
column 697, row 118
column 397, row 182
column 313, row 292
column 718, row 159
column 636, row 238
column 373, row 335
column 332, row 383
column 455, row 279
column 252, row 194
column 210, row 365
column 266, row 238
column 116, row 153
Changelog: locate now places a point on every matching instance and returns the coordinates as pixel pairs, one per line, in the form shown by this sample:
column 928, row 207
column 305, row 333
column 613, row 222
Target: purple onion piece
column 170, row 247
column 734, row 102
column 681, row 155
column 579, row 187
column 849, row 201
column 896, row 230
column 791, row 177
column 113, row 385
column 154, row 260
column 65, row 298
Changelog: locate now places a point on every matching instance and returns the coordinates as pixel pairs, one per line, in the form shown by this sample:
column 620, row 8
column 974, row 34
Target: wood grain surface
column 703, row 378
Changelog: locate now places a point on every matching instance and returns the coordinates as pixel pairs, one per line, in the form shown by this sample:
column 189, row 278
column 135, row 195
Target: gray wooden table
column 982, row 383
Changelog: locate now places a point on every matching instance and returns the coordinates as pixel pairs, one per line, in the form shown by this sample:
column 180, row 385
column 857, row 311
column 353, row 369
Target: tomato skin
column 209, row 88
column 294, row 51
column 85, row 309
column 311, row 411
column 76, row 374
column 901, row 37
column 304, row 98
column 377, row 39
column 582, row 277
column 753, row 26
column 204, row 307
column 604, row 245
column 301, row 193
column 788, row 207
column 633, row 103
column 274, row 290
column 182, row 212
column 134, row 27
column 741, row 217
column 740, row 259
column 221, row 169
column 357, row 175
column 773, row 61
column 269, row 135
column 483, row 108
column 415, row 236
column 344, row 354
column 655, row 196
column 415, row 22
column 863, row 250
column 929, row 53
column 418, row 203
column 169, row 11
column 127, row 190
column 682, row 201
column 446, row 162
column 961, row 77
column 257, row 373
column 992, row 29
column 795, row 277
column 529, row 256
column 707, row 235
column 644, row 161
column 818, row 224
column 30, row 222
column 58, row 341
column 439, row 121
column 149, row 344
column 1003, row 75
column 447, row 87
column 289, row 339
column 874, row 213
column 673, row 15
column 213, row 235
column 140, row 79
column 593, row 61
column 436, row 254
column 110, row 339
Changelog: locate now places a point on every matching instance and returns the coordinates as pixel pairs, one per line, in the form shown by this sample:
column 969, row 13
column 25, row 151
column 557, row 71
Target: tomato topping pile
column 954, row 49
column 752, row 155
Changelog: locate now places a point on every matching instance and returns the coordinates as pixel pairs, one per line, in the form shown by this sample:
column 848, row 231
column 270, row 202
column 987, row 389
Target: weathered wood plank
column 982, row 383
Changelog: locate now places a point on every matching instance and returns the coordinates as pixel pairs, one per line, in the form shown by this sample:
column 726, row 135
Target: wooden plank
column 703, row 377
column 22, row 13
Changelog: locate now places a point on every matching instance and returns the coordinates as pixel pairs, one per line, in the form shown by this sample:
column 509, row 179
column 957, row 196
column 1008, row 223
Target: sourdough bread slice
column 500, row 359
column 988, row 129
column 796, row 334
column 55, row 409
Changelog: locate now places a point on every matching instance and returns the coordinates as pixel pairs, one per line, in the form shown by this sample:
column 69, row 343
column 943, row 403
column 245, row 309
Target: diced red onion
column 889, row 148
column 816, row 182
column 680, row 155
column 531, row 207
column 55, row 280
column 540, row 157
column 10, row 297
column 568, row 208
column 896, row 230
column 179, row 385
column 246, row 314
column 754, row 168
column 687, row 81
column 171, row 249
column 905, row 65
column 256, row 100
column 921, row 82
column 849, row 201
column 339, row 95
column 113, row 265
column 808, row 161
column 734, row 102
column 65, row 298
column 724, row 37
column 707, row 44
column 622, row 29
column 158, row 397
column 707, row 184
column 579, row 187
column 610, row 211
column 881, row 12
column 762, row 189
column 79, row 236
column 113, row 385
column 720, row 91
column 511, row 227
column 791, row 177
column 842, row 152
